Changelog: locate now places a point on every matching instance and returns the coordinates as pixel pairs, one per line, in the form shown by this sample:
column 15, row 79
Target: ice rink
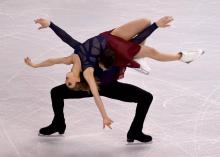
column 184, row 118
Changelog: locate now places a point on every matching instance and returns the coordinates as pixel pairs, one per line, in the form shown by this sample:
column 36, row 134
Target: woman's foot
column 189, row 56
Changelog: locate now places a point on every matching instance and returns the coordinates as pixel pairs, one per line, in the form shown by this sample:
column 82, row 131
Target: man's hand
column 43, row 23
column 164, row 21
column 28, row 61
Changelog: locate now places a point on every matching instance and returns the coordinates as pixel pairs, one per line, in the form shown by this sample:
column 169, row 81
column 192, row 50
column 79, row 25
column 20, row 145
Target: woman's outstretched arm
column 162, row 23
column 89, row 76
column 58, row 31
column 51, row 61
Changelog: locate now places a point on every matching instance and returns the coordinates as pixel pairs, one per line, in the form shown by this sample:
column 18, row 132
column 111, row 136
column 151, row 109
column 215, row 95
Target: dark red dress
column 124, row 52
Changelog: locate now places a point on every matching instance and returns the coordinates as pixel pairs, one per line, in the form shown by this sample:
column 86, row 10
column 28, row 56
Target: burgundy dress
column 124, row 52
column 90, row 50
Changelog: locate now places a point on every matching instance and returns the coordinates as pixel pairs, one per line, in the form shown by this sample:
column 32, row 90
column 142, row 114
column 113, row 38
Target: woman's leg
column 146, row 32
column 150, row 52
column 131, row 29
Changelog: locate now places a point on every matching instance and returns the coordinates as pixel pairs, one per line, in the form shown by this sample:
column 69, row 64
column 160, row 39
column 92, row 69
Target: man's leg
column 130, row 93
column 58, row 94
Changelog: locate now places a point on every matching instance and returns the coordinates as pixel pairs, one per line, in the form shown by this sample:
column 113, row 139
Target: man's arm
column 58, row 31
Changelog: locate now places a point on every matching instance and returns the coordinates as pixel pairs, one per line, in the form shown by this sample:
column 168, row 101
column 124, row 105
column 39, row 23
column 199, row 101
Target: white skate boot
column 144, row 67
column 189, row 56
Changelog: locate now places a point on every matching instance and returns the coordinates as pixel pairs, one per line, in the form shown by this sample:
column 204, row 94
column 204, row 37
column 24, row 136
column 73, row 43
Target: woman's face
column 71, row 80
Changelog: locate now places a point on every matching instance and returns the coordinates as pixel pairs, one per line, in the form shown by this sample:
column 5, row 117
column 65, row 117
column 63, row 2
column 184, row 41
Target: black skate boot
column 56, row 126
column 139, row 136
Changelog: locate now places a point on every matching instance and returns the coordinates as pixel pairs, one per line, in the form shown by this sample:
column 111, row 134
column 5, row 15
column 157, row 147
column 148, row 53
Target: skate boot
column 55, row 126
column 189, row 56
column 144, row 67
column 139, row 136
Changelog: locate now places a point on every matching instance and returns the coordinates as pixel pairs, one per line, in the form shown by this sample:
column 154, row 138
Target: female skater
column 88, row 58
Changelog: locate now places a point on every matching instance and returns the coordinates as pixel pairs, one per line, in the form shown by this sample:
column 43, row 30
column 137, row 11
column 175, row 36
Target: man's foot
column 139, row 137
column 53, row 128
column 189, row 56
column 144, row 67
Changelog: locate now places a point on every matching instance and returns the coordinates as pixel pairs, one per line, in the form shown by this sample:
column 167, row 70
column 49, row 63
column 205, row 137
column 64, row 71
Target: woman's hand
column 28, row 61
column 107, row 122
column 89, row 76
column 164, row 21
column 43, row 23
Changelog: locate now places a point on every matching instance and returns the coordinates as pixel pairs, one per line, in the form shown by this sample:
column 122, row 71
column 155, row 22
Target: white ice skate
column 144, row 67
column 189, row 56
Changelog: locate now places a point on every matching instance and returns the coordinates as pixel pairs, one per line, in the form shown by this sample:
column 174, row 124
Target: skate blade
column 52, row 135
column 138, row 143
column 142, row 71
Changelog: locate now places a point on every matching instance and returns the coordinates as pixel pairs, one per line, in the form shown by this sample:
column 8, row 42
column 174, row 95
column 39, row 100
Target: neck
column 76, row 68
column 75, row 71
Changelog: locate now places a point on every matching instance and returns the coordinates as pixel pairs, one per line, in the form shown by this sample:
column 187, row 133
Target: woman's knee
column 152, row 53
column 146, row 22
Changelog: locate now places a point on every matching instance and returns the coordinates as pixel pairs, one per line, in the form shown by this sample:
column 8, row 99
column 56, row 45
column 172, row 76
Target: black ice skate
column 55, row 126
column 139, row 137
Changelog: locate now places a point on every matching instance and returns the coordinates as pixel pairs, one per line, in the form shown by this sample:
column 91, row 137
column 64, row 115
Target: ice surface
column 184, row 118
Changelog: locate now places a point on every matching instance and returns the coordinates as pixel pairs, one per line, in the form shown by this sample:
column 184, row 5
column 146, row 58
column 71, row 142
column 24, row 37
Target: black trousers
column 116, row 90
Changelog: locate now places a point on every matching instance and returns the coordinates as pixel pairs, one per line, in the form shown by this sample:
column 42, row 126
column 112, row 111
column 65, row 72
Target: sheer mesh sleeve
column 90, row 51
column 144, row 34
column 64, row 36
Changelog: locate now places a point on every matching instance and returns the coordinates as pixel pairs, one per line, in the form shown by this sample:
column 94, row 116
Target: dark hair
column 107, row 58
